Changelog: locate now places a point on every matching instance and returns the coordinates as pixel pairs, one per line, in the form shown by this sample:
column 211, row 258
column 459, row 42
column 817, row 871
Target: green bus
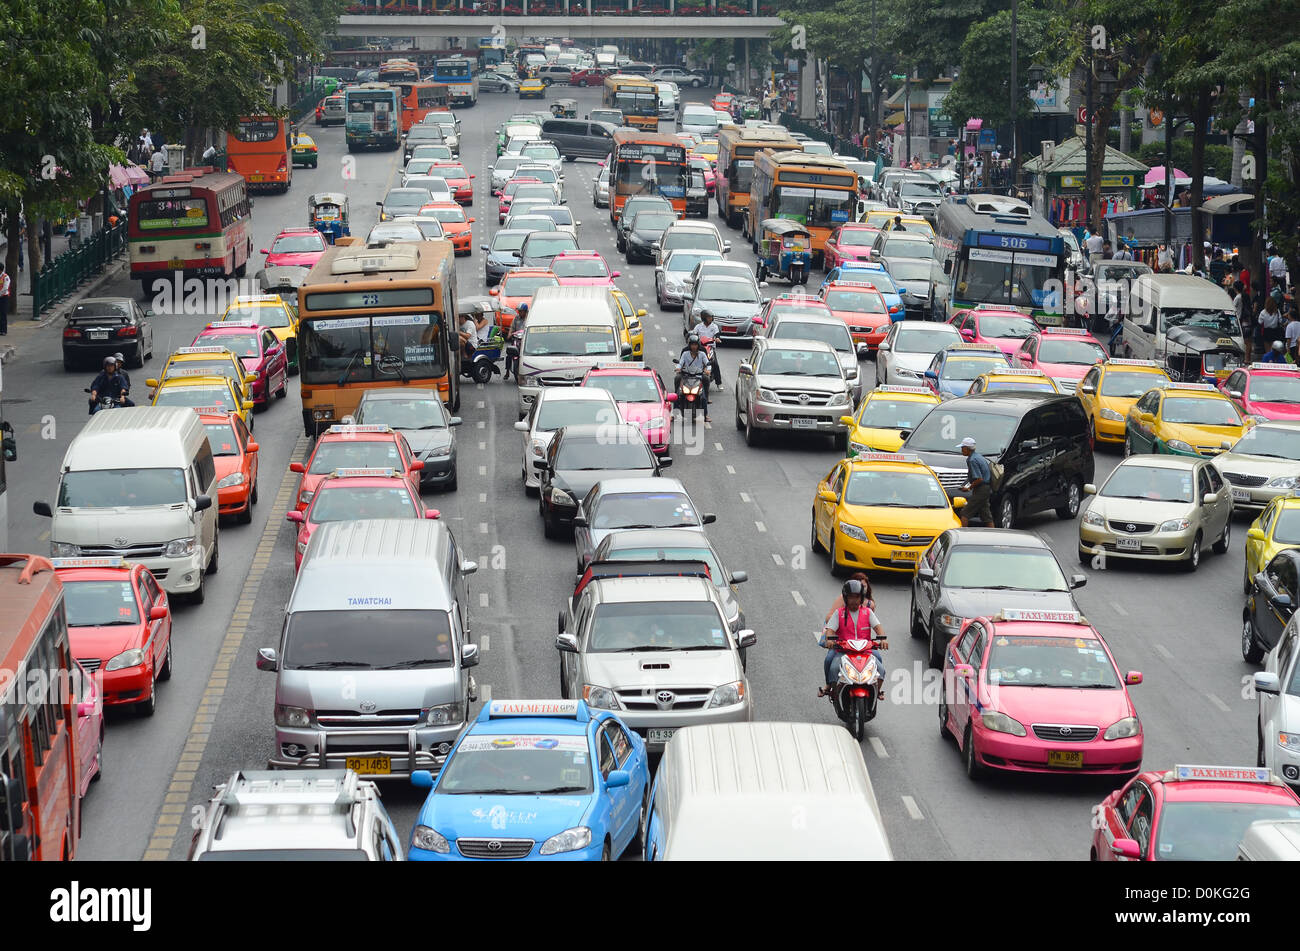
column 373, row 116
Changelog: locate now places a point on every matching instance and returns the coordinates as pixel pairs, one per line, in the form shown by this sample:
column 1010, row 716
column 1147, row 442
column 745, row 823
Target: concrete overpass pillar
column 808, row 90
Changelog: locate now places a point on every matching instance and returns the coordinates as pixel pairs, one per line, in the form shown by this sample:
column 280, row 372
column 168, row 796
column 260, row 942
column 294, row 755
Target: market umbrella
column 1156, row 177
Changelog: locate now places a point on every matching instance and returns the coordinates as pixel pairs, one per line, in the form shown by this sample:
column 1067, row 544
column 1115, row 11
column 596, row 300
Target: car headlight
column 838, row 399
column 1285, row 482
column 560, row 497
column 179, row 547
column 305, row 496
column 1175, row 525
column 570, row 840
column 438, row 451
column 235, row 478
column 728, row 695
column 601, row 697
column 131, row 658
column 1094, row 518
column 1289, row 741
column 656, row 423
column 1111, row 415
column 1179, row 445
column 1129, row 726
column 444, row 714
column 430, row 840
column 1001, row 723
column 951, row 620
column 767, row 396
column 537, row 447
column 292, row 716
column 859, row 447
column 852, row 531
column 64, row 550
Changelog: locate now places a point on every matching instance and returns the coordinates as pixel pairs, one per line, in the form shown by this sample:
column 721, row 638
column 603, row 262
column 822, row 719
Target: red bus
column 259, row 149
column 40, row 806
column 396, row 71
column 198, row 222
column 417, row 100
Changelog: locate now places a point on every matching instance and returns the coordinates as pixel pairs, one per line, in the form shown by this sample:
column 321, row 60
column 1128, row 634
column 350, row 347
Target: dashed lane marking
column 484, row 643
column 912, row 808
column 1164, row 652
column 1219, row 703
column 760, row 526
column 878, row 747
column 1119, row 609
column 482, row 599
column 777, row 558
column 731, row 470
column 744, row 497
column 798, row 599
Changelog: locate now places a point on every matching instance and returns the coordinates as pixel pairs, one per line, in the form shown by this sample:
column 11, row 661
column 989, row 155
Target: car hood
column 1139, row 510
column 1274, row 410
column 123, row 526
column 103, row 642
column 505, row 817
column 1211, row 436
column 348, row 689
column 916, row 287
column 1008, row 345
column 1072, row 705
column 858, row 319
column 727, row 310
column 1064, row 371
column 986, row 602
column 635, row 669
column 853, row 253
column 638, row 413
column 294, row 259
column 422, row 440
column 809, row 384
column 1255, row 465
column 585, row 282
column 647, row 235
column 578, row 482
column 503, row 257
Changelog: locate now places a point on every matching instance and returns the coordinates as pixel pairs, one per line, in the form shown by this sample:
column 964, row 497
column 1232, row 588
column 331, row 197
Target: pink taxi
column 1066, row 354
column 508, row 195
column 1038, row 691
column 1265, row 391
column 90, row 730
column 296, row 247
column 582, row 269
column 641, row 398
column 1005, row 329
column 259, row 350
column 851, row 242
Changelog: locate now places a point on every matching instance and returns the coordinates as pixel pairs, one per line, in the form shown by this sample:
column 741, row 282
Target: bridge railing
column 521, row 8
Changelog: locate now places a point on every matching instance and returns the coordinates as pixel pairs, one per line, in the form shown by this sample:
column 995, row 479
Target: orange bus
column 258, row 148
column 376, row 317
column 40, row 807
column 417, row 100
column 647, row 163
column 398, row 70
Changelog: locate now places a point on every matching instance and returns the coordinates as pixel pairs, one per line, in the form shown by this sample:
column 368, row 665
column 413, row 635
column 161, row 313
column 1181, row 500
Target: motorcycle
column 104, row 402
column 857, row 688
column 690, row 391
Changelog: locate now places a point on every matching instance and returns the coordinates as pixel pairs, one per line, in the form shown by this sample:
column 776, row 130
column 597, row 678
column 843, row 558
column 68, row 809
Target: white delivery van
column 1270, row 840
column 140, row 482
column 1196, row 311
column 569, row 331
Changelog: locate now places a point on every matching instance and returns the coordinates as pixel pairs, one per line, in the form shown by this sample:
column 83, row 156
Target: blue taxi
column 956, row 367
column 535, row 779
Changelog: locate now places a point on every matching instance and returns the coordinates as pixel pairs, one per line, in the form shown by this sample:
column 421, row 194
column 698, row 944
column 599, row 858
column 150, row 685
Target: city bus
column 373, row 318
column 991, row 249
column 373, row 116
column 736, row 148
column 396, row 71
column 38, row 716
column 258, row 148
column 647, row 163
column 492, row 50
column 637, row 97
column 419, row 99
column 814, row 190
column 197, row 222
column 457, row 73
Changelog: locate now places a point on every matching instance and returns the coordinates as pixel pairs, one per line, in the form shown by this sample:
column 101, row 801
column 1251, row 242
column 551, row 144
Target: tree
column 930, row 33
column 981, row 92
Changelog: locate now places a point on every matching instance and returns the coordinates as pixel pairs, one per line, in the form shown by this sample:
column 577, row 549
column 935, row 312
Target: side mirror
column 1088, row 388
column 422, row 779
column 1078, row 581
column 863, row 351
column 248, row 405
column 265, row 251
column 826, row 495
column 967, row 334
column 1235, row 394
column 432, row 513
column 1267, row 683
column 959, row 503
column 267, row 659
column 617, row 779
column 739, row 577
column 493, row 291
column 566, row 643
column 455, row 421
column 963, row 670
column 294, row 515
column 625, row 350
column 202, row 502
column 158, row 612
column 416, row 466
column 42, row 508
column 1089, row 489
column 580, row 520
column 151, row 383
column 726, row 247
column 484, row 247
column 745, row 369
column 932, row 375
column 848, row 421
column 1209, row 498
column 1133, row 678
column 1282, row 602
column 469, row 656
column 947, row 267
column 297, row 467
column 1126, row 849
column 925, row 573
column 746, row 638
column 521, row 426
column 1253, row 534
column 665, row 462
column 708, row 518
column 468, row 567
column 1225, row 444
column 250, row 377
column 883, row 347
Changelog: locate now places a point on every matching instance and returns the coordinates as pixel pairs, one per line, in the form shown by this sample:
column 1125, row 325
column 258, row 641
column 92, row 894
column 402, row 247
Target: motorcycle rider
column 694, row 358
column 111, row 382
column 121, row 369
column 707, row 331
column 512, row 353
column 1276, row 353
column 853, row 621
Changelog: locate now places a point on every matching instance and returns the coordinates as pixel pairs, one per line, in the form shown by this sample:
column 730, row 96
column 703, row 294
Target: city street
column 1180, row 630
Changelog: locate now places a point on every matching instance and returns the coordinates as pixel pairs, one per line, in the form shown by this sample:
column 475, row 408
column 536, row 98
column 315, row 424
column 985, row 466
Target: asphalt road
column 1180, row 630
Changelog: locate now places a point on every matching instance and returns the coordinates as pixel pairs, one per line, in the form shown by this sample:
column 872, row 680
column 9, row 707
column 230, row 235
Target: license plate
column 255, row 178
column 1240, row 495
column 660, row 735
column 1221, row 374
column 803, row 422
column 902, row 555
column 98, row 335
column 176, row 264
column 1128, row 544
column 1071, row 759
column 371, row 765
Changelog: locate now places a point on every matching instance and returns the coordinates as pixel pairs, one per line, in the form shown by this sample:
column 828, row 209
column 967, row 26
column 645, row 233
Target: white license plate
column 803, row 422
column 660, row 735
column 1128, row 544
column 1240, row 495
column 98, row 335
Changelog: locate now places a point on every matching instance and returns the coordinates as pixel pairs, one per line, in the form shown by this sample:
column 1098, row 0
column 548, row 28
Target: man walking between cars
column 980, row 477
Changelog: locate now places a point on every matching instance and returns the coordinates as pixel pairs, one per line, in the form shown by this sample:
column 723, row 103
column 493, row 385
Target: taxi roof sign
column 1199, row 387
column 351, row 428
column 103, row 561
column 1288, row 367
column 986, row 347
column 1225, row 774
column 182, row 371
column 852, row 283
column 189, row 350
column 1119, row 362
column 886, row 457
column 1048, row 617
column 569, row 709
column 1073, row 331
column 212, row 411
column 619, row 365
column 898, row 388
column 257, row 298
column 361, row 472
column 1017, row 371
column 230, row 322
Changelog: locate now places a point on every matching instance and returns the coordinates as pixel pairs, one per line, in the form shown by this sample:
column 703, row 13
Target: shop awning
column 129, row 174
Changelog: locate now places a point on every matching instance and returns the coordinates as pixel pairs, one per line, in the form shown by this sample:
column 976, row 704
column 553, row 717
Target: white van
column 569, row 331
column 140, row 482
column 805, row 785
column 1158, row 303
column 1270, row 840
column 699, row 119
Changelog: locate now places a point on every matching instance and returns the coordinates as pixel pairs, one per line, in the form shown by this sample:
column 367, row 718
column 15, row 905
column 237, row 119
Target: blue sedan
column 877, row 275
column 954, row 368
column 535, row 779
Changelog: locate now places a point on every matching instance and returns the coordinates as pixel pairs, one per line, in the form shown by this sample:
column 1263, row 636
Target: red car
column 1265, row 391
column 371, row 446
column 849, row 243
column 641, row 398
column 347, row 494
column 458, row 179
column 1005, row 329
column 582, row 269
column 862, row 307
column 295, row 247
column 1065, row 354
column 258, row 349
column 1190, row 813
column 119, row 626
column 1039, row 692
column 508, row 195
column 595, row 76
column 705, row 168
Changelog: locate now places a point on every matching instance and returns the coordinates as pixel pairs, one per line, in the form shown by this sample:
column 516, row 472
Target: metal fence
column 304, row 106
column 74, row 267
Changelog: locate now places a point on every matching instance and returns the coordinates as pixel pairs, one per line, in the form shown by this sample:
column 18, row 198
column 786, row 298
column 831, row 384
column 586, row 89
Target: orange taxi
column 518, row 286
column 862, row 307
column 372, row 446
column 455, row 226
column 235, row 454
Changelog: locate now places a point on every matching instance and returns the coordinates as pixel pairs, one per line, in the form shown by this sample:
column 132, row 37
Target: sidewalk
column 24, row 331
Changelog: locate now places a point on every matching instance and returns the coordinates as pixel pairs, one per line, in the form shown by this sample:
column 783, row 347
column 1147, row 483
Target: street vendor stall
column 1058, row 178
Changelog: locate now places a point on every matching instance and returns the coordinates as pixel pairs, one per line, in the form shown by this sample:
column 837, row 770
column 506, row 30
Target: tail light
column 71, row 333
column 127, row 331
column 202, row 245
column 281, row 166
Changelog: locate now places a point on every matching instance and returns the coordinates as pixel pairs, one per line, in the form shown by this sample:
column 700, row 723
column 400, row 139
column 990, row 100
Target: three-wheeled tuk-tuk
column 328, row 214
column 784, row 250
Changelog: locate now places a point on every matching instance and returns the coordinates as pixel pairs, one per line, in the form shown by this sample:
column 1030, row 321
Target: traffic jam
column 515, row 587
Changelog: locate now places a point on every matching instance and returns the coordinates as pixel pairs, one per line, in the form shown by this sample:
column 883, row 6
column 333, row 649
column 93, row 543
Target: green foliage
column 1217, row 157
column 980, row 90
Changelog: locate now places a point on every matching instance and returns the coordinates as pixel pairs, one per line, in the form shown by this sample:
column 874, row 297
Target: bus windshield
column 1003, row 282
column 350, row 350
column 821, row 207
column 257, row 130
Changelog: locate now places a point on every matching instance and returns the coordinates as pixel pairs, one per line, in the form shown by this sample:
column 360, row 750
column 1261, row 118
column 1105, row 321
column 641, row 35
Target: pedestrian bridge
column 581, row 22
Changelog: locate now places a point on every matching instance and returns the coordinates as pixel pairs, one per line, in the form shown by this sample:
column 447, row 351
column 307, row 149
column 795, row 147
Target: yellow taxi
column 206, row 361
column 532, row 88
column 631, row 329
column 272, row 311
column 706, row 149
column 883, row 218
column 304, row 151
column 883, row 416
column 1022, row 379
column 880, row 511
column 1277, row 528
column 1109, row 390
column 212, row 394
column 1184, row 419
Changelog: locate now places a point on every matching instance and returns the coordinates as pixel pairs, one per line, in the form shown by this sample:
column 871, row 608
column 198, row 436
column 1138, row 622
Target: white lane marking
column 485, row 693
column 485, row 643
column 760, row 526
column 482, row 599
column 1219, row 703
column 744, row 496
column 482, row 470
column 482, row 445
column 718, row 446
column 1119, row 609
column 912, row 808
column 777, row 558
column 731, row 470
column 1164, row 652
column 798, row 599
column 482, row 424
column 879, row 748
column 482, row 496
column 479, row 404
column 482, row 528
column 664, row 339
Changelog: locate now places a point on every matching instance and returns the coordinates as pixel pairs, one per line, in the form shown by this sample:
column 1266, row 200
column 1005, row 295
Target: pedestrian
column 1292, row 333
column 157, row 166
column 1270, row 320
column 1164, row 260
column 1106, row 251
column 1277, row 271
column 1095, row 245
column 980, row 478
column 5, row 285
column 1123, row 254
column 1218, row 267
column 1240, row 313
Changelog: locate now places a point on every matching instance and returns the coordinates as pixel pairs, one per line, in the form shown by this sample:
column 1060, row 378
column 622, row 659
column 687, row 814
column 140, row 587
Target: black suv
column 1270, row 602
column 1042, row 441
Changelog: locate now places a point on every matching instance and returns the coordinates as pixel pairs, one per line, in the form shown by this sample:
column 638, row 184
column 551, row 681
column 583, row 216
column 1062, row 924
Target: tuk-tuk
column 784, row 250
column 565, row 109
column 1201, row 355
column 328, row 214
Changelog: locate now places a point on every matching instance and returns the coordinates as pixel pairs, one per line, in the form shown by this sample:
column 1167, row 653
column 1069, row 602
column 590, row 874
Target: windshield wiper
column 483, row 792
column 701, row 647
column 555, row 790
column 422, row 662
column 113, row 623
column 620, row 528
column 432, row 426
column 332, row 664
column 647, row 648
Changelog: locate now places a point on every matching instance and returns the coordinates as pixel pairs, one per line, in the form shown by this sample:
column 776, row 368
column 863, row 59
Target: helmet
column 523, row 309
column 855, row 588
column 119, row 358
column 706, row 315
column 110, row 359
column 1279, row 346
column 693, row 338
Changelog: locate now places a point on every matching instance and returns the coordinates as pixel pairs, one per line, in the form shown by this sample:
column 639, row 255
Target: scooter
column 690, row 392
column 103, row 403
column 857, row 689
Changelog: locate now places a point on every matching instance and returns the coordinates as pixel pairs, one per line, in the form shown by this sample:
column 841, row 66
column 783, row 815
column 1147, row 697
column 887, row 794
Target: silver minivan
column 372, row 672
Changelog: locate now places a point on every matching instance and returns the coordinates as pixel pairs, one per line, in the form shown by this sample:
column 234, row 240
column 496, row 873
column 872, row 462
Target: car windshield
column 917, row 189
column 1013, row 328
column 923, row 339
column 1017, row 569
column 627, row 387
column 221, row 437
column 685, row 261
column 817, row 363
column 857, row 237
column 545, row 244
column 548, row 152
column 579, row 267
column 526, row 286
column 504, row 764
column 1216, row 320
column 1149, row 482
column 345, row 640
column 666, row 553
column 556, row 414
column 1024, row 384
column 690, row 239
column 652, row 221
column 513, row 186
column 1210, row 831
column 644, row 510
column 534, row 190
column 1128, row 384
column 448, row 215
column 1273, row 441
column 657, row 626
column 218, row 396
column 807, row 306
column 531, row 223
column 298, row 243
column 506, row 165
column 100, row 603
column 448, row 171
column 727, row 292
column 509, row 240
column 893, row 489
column 1026, row 661
column 404, row 413
column 215, row 367
column 424, row 133
column 968, row 368
column 356, row 454
column 882, row 413
column 419, row 166
column 1075, row 352
column 337, row 503
column 837, row 334
column 858, row 302
column 903, row 270
column 615, row 451
column 266, row 316
column 1200, row 411
column 873, row 275
column 1283, row 388
column 895, row 248
column 543, row 173
column 561, row 216
column 569, row 341
column 241, row 345
column 108, row 488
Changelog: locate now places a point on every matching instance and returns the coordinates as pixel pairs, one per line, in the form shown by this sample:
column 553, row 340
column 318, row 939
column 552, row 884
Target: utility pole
column 907, row 114
column 1015, row 5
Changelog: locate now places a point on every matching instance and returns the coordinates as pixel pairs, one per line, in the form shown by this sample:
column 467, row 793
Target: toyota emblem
column 665, row 698
column 804, row 399
column 1066, row 731
column 1130, row 527
column 494, row 846
column 367, row 706
column 120, row 542
column 905, row 536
